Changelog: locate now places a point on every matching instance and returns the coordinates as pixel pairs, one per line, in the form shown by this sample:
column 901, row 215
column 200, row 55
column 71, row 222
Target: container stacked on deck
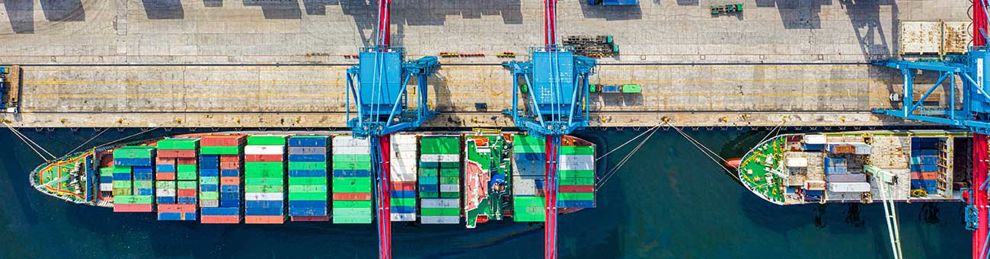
column 308, row 178
column 529, row 165
column 187, row 184
column 169, row 152
column 227, row 150
column 402, row 159
column 106, row 179
column 924, row 164
column 264, row 180
column 351, row 180
column 576, row 173
column 133, row 187
column 439, row 179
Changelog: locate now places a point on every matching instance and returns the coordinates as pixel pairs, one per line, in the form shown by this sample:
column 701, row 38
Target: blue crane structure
column 379, row 84
column 555, row 104
column 972, row 114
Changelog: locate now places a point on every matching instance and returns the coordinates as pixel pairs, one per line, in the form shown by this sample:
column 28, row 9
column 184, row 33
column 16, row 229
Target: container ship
column 845, row 167
column 275, row 177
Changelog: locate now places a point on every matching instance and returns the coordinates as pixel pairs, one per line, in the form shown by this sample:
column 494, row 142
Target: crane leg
column 550, row 195
column 380, row 162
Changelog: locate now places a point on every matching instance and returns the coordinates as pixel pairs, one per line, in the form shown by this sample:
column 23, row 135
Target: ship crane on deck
column 553, row 105
column 379, row 85
column 973, row 115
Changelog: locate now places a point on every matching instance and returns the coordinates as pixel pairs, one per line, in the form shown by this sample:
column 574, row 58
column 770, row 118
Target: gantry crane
column 379, row 86
column 554, row 105
column 973, row 115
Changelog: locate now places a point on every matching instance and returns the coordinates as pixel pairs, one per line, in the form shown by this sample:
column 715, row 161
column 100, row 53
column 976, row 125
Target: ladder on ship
column 885, row 182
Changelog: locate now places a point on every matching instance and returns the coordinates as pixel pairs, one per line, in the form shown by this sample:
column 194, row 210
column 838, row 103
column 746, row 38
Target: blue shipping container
column 165, row 168
column 308, row 142
column 229, row 189
column 403, row 209
column 220, row 211
column 307, row 158
column 209, row 172
column 121, row 177
column 208, row 187
column 307, row 173
column 403, row 194
column 248, row 211
column 230, row 203
column 230, row 172
column 165, row 200
column 142, row 169
column 132, row 162
column 575, row 204
column 351, row 173
column 262, row 204
column 187, row 200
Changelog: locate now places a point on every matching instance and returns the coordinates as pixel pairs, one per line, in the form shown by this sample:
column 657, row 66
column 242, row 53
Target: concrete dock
column 281, row 64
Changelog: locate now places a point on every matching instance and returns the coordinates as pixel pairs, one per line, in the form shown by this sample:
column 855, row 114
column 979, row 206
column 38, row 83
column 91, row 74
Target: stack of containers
column 227, row 149
column 439, row 180
column 402, row 173
column 308, row 178
column 209, row 181
column 836, row 165
column 924, row 164
column 264, row 180
column 351, row 181
column 106, row 179
column 169, row 151
column 528, row 167
column 186, row 186
column 576, row 174
column 133, row 190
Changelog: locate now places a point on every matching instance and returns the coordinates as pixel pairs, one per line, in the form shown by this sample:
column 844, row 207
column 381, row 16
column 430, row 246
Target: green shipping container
column 165, row 184
column 424, row 195
column 307, row 166
column 272, row 181
column 577, row 150
column 133, row 152
column 576, row 196
column 106, row 171
column 266, row 140
column 121, row 184
column 186, row 184
column 428, row 173
column 307, row 196
column 263, row 174
column 186, row 175
column 177, row 144
column 351, row 165
column 209, row 195
column 577, row 173
column 402, row 202
column 444, row 195
column 440, row 145
column 263, row 166
column 122, row 191
column 263, row 188
column 450, row 172
column 352, row 204
column 577, row 181
column 231, row 150
column 631, row 89
column 450, row 180
column 528, row 144
column 143, row 184
column 528, row 209
column 351, row 158
column 307, row 181
column 185, row 168
column 121, row 170
column 133, row 199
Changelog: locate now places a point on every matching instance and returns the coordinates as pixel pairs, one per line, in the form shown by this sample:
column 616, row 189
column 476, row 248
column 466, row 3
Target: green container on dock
column 440, row 145
column 528, row 209
column 528, row 144
column 266, row 140
column 177, row 144
column 631, row 89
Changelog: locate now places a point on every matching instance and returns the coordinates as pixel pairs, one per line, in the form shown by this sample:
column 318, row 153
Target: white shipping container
column 264, row 150
column 106, row 187
column 351, row 150
column 164, row 192
column 402, row 161
column 523, row 187
column 209, row 203
column 278, row 196
column 450, row 158
column 440, row 219
column 580, row 162
column 403, row 216
column 348, row 141
column 450, row 188
column 429, row 158
column 849, row 187
column 440, row 203
column 814, row 139
column 796, row 162
column 920, row 37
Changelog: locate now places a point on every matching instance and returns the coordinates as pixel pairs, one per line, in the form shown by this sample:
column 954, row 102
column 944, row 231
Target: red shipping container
column 219, row 219
column 230, row 165
column 345, row 196
column 164, row 176
column 133, row 208
column 264, row 219
column 230, row 180
column 222, row 140
column 577, row 188
column 404, row 186
column 177, row 207
column 263, row 158
column 185, row 161
column 186, row 192
column 230, row 158
column 164, row 161
column 177, row 153
column 310, row 218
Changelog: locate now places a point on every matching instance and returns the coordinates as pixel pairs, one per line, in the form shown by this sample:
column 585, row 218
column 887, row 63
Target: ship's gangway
column 554, row 104
column 379, row 86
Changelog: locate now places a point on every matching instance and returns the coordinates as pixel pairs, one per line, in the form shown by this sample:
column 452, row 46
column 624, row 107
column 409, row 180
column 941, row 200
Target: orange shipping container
column 264, row 219
column 230, row 180
column 187, row 192
column 340, row 196
column 219, row 219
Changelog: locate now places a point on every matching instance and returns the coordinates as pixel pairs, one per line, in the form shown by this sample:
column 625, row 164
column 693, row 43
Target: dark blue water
column 669, row 202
